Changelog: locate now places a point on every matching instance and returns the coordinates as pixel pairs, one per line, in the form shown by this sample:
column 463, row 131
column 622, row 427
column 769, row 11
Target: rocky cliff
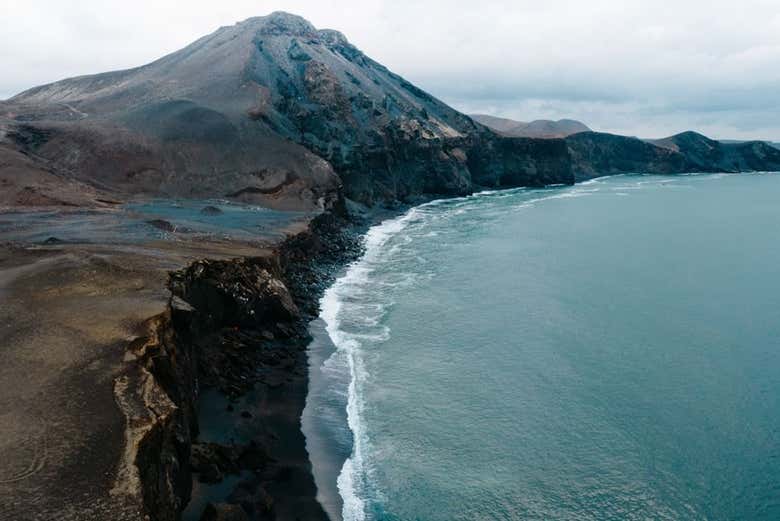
column 270, row 110
column 234, row 325
column 707, row 155
column 596, row 154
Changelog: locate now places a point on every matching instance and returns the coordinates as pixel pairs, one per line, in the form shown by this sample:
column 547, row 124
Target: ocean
column 609, row 350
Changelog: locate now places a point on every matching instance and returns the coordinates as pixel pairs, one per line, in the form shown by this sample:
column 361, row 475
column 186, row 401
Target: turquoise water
column 604, row 351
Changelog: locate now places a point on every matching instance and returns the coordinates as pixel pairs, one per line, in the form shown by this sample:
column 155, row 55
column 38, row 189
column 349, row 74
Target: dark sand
column 328, row 440
column 66, row 317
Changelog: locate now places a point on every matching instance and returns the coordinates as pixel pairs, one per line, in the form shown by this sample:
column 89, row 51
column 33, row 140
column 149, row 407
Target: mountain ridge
column 539, row 128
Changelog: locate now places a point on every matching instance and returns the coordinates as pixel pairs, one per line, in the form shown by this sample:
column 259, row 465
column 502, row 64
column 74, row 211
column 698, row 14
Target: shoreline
column 328, row 438
column 265, row 420
column 336, row 422
column 307, row 263
column 310, row 262
column 142, row 346
column 165, row 363
column 384, row 366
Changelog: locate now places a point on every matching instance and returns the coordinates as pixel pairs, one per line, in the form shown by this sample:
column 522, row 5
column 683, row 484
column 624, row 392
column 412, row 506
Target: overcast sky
column 646, row 68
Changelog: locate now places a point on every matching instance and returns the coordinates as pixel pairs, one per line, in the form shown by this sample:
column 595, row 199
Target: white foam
column 353, row 319
column 340, row 298
column 594, row 181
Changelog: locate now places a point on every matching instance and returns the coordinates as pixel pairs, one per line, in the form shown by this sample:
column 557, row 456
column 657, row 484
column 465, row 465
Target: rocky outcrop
column 595, row 154
column 236, row 293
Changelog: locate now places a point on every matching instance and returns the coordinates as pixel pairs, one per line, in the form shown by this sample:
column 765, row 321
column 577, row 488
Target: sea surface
column 604, row 351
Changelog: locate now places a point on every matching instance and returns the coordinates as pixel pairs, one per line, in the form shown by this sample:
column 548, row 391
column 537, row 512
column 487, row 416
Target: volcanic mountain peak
column 267, row 109
column 275, row 68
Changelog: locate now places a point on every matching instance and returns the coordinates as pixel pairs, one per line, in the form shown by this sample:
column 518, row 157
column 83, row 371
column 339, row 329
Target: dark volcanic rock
column 596, row 154
column 253, row 457
column 508, row 162
column 210, row 474
column 254, row 498
column 235, row 350
column 238, row 292
column 211, row 460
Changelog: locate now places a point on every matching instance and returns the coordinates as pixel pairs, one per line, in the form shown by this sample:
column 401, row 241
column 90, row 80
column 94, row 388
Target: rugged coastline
column 288, row 117
column 135, row 359
column 69, row 312
column 234, row 326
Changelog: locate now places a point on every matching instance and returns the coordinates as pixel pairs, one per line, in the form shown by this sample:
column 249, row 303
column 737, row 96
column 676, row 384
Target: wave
column 340, row 300
column 354, row 306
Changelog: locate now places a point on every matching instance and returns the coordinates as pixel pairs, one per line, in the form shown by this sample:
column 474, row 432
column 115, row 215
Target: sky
column 645, row 68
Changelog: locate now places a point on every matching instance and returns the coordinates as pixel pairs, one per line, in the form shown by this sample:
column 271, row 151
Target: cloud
column 643, row 67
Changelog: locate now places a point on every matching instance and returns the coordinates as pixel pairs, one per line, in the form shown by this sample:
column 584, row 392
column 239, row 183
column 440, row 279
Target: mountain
column 707, row 155
column 540, row 128
column 275, row 112
column 270, row 110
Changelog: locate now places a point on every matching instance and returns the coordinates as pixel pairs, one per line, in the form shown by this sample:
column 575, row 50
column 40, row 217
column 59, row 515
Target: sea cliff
column 234, row 325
